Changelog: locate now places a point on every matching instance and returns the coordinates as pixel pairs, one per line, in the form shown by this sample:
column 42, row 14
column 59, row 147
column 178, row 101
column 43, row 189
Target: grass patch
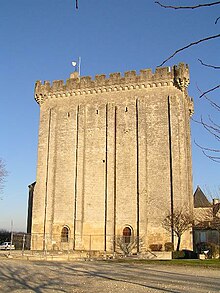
column 209, row 263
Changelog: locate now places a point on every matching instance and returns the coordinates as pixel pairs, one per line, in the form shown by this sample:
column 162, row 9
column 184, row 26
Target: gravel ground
column 101, row 276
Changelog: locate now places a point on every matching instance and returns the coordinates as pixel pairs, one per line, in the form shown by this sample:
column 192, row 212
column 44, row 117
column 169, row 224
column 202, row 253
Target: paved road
column 104, row 277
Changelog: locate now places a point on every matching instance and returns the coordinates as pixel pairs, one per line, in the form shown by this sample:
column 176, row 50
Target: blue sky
column 40, row 38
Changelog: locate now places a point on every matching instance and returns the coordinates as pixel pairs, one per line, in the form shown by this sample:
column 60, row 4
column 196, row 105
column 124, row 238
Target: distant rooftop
column 200, row 200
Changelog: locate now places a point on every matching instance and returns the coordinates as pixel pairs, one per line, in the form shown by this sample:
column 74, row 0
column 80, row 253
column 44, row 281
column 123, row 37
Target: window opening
column 127, row 234
column 64, row 234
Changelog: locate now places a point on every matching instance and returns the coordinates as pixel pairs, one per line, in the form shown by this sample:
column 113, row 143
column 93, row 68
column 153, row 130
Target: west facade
column 114, row 157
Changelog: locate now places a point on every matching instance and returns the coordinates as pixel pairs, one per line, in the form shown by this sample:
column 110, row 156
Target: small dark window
column 127, row 234
column 126, row 109
column 64, row 234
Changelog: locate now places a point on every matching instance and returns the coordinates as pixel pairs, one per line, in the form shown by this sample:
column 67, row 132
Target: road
column 104, row 277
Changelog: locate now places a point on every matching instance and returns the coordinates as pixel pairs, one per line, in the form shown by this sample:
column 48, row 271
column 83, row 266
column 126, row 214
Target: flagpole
column 79, row 66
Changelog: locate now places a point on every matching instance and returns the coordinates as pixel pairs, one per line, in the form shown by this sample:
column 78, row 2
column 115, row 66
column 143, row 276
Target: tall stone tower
column 114, row 158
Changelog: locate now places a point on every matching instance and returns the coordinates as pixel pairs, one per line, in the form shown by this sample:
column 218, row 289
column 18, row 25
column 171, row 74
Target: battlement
column 178, row 75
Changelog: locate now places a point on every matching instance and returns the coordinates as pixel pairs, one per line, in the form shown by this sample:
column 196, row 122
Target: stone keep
column 114, row 158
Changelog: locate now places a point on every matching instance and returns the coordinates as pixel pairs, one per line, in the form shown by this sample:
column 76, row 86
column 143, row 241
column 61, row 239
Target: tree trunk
column 178, row 243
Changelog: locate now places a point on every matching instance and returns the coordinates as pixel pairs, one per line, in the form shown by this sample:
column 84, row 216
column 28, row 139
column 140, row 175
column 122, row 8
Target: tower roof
column 200, row 200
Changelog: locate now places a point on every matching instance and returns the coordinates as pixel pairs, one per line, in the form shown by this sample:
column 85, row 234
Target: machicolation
column 163, row 76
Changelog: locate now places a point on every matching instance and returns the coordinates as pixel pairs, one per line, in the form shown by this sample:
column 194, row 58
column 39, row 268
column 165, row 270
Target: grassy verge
column 210, row 263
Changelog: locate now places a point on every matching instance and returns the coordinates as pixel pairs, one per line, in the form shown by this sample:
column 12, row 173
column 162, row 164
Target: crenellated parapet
column 181, row 76
column 163, row 76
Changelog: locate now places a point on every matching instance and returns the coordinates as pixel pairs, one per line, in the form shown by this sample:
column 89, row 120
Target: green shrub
column 178, row 254
column 213, row 249
column 184, row 254
column 168, row 246
column 156, row 247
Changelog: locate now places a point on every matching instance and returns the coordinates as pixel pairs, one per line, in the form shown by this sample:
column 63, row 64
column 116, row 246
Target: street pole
column 11, row 234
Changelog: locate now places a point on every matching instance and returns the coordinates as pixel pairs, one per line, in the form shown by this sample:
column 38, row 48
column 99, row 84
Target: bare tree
column 210, row 125
column 178, row 223
column 126, row 246
column 3, row 174
column 4, row 235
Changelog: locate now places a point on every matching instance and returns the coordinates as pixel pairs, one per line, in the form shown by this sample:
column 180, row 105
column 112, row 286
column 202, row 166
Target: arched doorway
column 65, row 234
column 127, row 234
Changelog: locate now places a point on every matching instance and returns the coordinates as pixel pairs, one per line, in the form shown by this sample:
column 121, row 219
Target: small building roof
column 216, row 209
column 200, row 200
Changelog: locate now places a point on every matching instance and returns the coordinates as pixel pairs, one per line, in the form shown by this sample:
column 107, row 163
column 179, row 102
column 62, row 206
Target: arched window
column 64, row 234
column 127, row 234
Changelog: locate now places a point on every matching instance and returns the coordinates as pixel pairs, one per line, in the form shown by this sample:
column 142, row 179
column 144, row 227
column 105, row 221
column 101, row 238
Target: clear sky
column 40, row 38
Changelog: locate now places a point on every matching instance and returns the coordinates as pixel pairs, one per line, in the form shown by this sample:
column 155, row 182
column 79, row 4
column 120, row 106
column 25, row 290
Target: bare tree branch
column 188, row 7
column 3, row 174
column 212, row 130
column 209, row 65
column 212, row 103
column 190, row 45
column 210, row 90
column 215, row 124
column 217, row 19
column 210, row 126
column 206, row 151
column 213, row 158
column 127, row 247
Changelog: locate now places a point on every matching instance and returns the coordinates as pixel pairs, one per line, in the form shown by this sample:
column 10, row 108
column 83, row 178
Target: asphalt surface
column 94, row 276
